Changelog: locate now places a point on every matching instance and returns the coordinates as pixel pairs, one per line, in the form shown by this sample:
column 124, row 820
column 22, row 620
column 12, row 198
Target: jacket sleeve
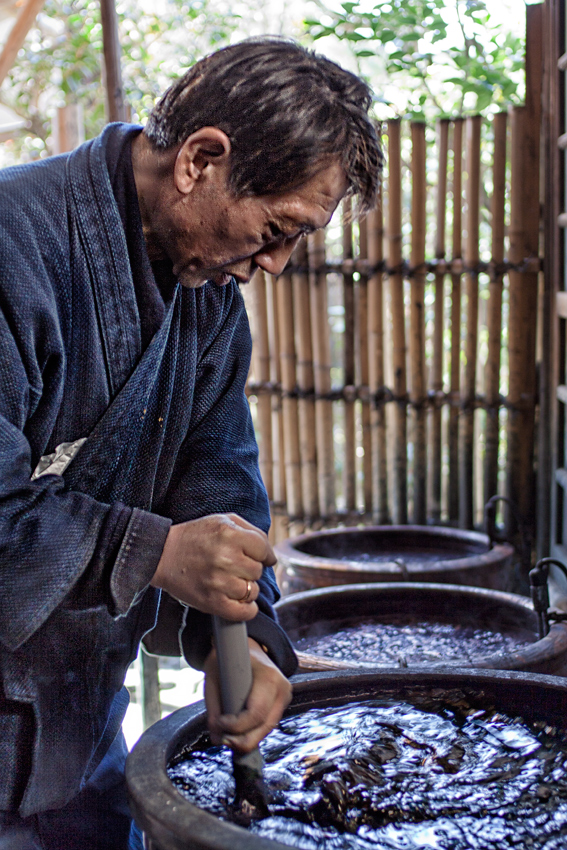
column 48, row 535
column 217, row 468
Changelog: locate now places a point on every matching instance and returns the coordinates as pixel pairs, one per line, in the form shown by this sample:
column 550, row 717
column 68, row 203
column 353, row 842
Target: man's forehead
column 314, row 201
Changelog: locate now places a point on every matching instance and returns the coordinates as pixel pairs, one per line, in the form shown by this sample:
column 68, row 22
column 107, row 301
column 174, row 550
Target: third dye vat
column 408, row 640
column 429, row 772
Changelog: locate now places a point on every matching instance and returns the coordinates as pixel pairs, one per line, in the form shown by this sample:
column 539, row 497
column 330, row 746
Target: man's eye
column 276, row 232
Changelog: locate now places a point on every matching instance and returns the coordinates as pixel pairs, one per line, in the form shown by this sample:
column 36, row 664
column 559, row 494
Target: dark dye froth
column 399, row 776
column 408, row 641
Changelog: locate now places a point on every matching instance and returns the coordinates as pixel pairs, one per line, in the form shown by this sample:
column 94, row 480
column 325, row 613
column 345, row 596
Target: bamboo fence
column 394, row 366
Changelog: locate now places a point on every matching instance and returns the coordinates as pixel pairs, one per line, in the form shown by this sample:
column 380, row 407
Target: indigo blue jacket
column 169, row 435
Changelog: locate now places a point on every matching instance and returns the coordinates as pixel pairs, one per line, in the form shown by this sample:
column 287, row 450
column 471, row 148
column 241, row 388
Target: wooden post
column 468, row 395
column 305, row 384
column 149, row 684
column 455, row 376
column 399, row 482
column 436, row 381
column 349, row 469
column 116, row 104
column 68, row 128
column 418, row 393
column 494, row 311
column 17, row 35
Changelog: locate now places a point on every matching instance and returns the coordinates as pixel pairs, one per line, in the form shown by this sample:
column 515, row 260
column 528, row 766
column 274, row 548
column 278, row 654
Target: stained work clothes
column 169, row 438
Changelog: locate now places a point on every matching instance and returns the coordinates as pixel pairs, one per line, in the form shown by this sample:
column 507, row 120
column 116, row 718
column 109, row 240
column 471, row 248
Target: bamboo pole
column 349, row 468
column 468, row 394
column 292, row 456
column 280, row 527
column 547, row 446
column 322, row 375
column 455, row 370
column 376, row 376
column 399, row 478
column 262, row 376
column 436, row 382
column 17, row 35
column 532, row 217
column 116, row 104
column 494, row 310
column 362, row 362
column 418, row 392
column 524, row 196
column 305, row 384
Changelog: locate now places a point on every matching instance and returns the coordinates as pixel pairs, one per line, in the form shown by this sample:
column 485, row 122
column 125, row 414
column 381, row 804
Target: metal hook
column 540, row 593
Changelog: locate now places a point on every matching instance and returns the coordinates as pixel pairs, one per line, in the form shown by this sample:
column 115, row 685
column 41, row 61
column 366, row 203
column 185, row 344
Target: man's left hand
column 269, row 697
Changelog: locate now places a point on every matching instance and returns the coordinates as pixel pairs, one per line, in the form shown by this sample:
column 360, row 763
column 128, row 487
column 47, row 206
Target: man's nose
column 274, row 258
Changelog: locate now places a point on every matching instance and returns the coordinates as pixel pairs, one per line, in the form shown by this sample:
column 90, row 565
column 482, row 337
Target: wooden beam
column 116, row 105
column 17, row 35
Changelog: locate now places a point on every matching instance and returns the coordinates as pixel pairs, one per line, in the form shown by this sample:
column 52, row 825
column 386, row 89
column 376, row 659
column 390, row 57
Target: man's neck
column 153, row 171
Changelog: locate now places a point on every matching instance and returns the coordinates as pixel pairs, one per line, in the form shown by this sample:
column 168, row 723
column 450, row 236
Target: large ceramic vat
column 324, row 611
column 393, row 553
column 171, row 822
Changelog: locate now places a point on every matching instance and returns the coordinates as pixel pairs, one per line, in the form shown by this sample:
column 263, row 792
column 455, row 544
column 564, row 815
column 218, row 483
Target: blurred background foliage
column 447, row 57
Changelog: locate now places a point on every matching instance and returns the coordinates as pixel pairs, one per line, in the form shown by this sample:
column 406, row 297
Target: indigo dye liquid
column 424, row 773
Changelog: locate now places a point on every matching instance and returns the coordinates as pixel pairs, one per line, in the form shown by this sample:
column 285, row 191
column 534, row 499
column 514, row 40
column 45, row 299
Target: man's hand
column 213, row 564
column 269, row 697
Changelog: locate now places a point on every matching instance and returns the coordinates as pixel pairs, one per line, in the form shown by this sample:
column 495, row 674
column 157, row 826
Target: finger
column 256, row 545
column 246, row 591
column 247, row 740
column 235, row 611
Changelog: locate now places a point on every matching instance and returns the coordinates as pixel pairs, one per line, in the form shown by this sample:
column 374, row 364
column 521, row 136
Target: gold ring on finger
column 246, row 597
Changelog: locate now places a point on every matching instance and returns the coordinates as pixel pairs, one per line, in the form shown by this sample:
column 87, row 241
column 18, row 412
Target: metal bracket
column 540, row 594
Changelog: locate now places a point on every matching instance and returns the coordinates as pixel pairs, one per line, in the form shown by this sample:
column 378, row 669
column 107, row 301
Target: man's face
column 211, row 235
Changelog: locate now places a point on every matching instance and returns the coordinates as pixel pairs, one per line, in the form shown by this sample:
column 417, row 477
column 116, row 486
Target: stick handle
column 235, row 670
column 235, row 673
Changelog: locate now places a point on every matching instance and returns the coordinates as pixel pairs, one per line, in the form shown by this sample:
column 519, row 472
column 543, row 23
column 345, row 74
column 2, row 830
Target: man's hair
column 287, row 112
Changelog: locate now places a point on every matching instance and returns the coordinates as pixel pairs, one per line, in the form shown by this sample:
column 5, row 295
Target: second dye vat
column 415, row 624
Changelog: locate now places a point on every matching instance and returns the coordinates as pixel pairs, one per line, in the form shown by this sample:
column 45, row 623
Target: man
column 127, row 456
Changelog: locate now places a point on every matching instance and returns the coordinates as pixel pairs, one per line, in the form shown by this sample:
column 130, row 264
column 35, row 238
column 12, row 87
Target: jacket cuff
column 197, row 640
column 137, row 559
column 275, row 642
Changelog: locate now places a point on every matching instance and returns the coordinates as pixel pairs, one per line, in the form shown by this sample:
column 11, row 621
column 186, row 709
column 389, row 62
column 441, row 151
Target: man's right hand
column 208, row 562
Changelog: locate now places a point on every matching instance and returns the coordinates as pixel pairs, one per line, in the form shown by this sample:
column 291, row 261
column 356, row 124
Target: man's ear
column 204, row 150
